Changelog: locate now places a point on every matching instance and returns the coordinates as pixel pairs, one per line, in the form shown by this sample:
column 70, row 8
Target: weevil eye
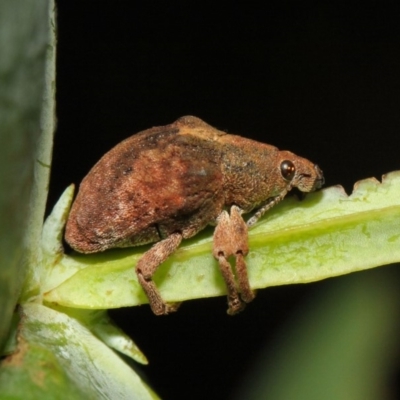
column 287, row 170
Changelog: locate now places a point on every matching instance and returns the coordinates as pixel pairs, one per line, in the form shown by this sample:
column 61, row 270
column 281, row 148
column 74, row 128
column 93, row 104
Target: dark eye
column 287, row 170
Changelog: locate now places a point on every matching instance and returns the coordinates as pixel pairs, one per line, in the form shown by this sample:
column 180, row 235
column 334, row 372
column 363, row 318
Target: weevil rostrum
column 167, row 183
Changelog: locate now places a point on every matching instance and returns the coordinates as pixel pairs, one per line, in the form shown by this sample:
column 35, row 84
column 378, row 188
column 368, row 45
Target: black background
column 321, row 80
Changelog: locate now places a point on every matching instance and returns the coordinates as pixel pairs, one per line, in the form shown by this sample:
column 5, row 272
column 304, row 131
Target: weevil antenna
column 272, row 201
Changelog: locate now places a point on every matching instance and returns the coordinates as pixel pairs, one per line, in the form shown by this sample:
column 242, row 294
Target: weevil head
column 289, row 171
column 299, row 172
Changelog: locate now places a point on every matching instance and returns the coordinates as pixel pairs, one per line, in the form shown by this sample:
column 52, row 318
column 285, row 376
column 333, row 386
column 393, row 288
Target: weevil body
column 167, row 183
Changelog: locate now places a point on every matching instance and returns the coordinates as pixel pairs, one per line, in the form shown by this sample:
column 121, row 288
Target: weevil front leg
column 147, row 266
column 231, row 239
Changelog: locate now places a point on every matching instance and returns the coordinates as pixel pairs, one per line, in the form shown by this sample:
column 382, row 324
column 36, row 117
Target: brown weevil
column 167, row 183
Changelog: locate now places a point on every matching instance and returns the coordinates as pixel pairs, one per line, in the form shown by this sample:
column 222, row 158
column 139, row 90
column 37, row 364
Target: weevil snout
column 320, row 180
column 309, row 177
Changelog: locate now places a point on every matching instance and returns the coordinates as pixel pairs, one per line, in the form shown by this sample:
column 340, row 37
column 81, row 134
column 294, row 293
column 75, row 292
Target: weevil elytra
column 167, row 183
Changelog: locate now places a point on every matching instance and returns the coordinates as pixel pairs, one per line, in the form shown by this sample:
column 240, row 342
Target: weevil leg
column 246, row 293
column 235, row 305
column 231, row 239
column 240, row 231
column 147, row 266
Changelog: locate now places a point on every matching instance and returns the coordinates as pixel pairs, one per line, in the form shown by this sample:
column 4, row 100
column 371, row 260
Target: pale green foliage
column 93, row 367
column 327, row 234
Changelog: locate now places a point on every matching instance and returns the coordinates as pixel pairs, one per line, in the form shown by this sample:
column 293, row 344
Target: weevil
column 168, row 183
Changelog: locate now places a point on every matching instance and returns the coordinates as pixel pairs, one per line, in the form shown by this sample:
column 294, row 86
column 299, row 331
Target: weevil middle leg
column 147, row 266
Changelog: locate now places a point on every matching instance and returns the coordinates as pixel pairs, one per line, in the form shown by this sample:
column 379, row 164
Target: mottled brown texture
column 167, row 183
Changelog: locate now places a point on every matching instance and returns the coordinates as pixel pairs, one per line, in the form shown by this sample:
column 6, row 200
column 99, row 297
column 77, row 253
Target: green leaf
column 60, row 358
column 27, row 122
column 327, row 234
column 35, row 373
column 102, row 326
